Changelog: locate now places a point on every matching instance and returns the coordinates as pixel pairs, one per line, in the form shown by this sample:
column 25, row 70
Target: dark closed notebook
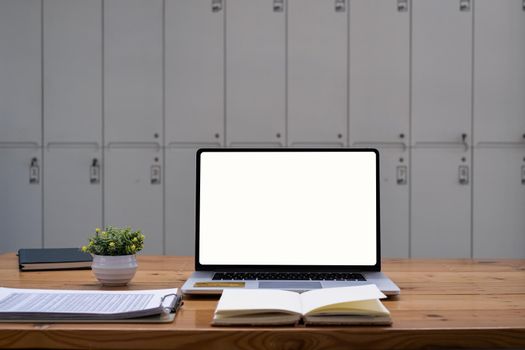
column 53, row 259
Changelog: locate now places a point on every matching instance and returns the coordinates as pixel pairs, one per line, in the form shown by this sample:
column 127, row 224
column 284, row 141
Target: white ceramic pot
column 114, row 270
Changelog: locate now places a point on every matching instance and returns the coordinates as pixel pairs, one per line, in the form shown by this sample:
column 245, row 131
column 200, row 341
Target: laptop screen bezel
column 285, row 268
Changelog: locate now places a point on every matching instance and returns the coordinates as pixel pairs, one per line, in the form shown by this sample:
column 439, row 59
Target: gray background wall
column 103, row 103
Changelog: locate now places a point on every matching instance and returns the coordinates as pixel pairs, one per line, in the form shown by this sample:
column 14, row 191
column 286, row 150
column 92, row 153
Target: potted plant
column 113, row 250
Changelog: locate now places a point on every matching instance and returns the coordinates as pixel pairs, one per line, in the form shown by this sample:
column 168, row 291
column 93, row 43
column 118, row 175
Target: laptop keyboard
column 304, row 276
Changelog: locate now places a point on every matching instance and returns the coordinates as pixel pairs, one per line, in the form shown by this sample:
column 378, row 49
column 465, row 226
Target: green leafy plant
column 115, row 241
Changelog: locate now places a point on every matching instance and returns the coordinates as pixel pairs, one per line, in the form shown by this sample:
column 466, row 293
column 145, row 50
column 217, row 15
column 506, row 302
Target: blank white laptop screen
column 287, row 208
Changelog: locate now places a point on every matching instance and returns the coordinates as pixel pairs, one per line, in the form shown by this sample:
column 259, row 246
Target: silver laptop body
column 293, row 219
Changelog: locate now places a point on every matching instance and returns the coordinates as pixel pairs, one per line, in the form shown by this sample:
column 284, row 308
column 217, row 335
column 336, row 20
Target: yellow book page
column 363, row 307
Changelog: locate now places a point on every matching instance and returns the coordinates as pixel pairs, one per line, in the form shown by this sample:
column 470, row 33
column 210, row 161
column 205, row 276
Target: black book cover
column 53, row 259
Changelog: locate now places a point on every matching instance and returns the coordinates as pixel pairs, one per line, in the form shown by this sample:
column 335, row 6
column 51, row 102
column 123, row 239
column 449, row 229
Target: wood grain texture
column 444, row 304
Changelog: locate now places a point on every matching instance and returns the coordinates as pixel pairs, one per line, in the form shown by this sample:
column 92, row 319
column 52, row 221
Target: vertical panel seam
column 224, row 75
column 42, row 123
column 103, row 116
column 410, row 168
column 164, row 231
column 472, row 136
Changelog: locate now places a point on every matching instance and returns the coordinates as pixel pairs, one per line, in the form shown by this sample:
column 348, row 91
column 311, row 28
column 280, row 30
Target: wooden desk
column 444, row 303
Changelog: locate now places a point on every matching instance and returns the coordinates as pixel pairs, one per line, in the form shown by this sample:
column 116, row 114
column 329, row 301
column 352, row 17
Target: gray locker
column 20, row 198
column 441, row 71
column 499, row 203
column 317, row 72
column 133, row 193
column 72, row 71
column 441, row 203
column 394, row 191
column 20, row 71
column 255, row 72
column 499, row 71
column 180, row 199
column 133, row 70
column 379, row 71
column 72, row 195
column 194, row 71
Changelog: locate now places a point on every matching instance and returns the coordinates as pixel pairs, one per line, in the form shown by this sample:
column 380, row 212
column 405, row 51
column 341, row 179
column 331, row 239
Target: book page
column 246, row 301
column 73, row 302
column 318, row 298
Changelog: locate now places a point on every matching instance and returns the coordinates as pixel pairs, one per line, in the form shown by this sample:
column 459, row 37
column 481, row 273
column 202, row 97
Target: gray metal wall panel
column 499, row 203
column 255, row 72
column 317, row 73
column 499, row 71
column 72, row 203
column 133, row 70
column 441, row 71
column 20, row 71
column 130, row 199
column 440, row 205
column 194, row 72
column 73, row 71
column 379, row 72
column 20, row 200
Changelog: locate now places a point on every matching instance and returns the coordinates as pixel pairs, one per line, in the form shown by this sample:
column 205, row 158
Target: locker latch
column 401, row 174
column 464, row 5
column 340, row 6
column 94, row 172
column 523, row 174
column 155, row 174
column 463, row 175
column 402, row 5
column 278, row 5
column 216, row 5
column 34, row 172
column 523, row 5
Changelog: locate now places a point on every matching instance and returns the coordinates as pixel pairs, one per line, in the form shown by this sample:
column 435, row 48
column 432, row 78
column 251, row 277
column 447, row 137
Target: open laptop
column 292, row 219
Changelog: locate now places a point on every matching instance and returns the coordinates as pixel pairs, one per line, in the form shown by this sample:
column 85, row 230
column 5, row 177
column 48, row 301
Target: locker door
column 72, row 195
column 499, row 203
column 256, row 72
column 20, row 198
column 440, row 204
column 180, row 199
column 379, row 71
column 133, row 193
column 133, row 70
column 20, row 71
column 499, row 71
column 394, row 169
column 73, row 71
column 194, row 71
column 317, row 72
column 441, row 71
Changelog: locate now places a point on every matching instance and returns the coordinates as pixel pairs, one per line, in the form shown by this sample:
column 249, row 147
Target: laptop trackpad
column 290, row 285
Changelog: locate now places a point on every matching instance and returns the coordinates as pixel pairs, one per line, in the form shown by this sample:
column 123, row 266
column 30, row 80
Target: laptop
column 291, row 219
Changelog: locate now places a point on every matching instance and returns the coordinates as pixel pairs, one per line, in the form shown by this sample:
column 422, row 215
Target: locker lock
column 216, row 5
column 278, row 5
column 34, row 172
column 463, row 175
column 523, row 174
column 94, row 172
column 402, row 5
column 401, row 174
column 340, row 5
column 464, row 5
column 155, row 175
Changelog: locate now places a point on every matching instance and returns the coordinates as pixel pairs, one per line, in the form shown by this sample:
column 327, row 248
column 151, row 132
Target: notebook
column 53, row 259
column 291, row 219
column 359, row 305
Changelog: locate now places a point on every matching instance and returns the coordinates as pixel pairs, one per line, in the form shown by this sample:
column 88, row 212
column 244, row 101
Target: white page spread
column 250, row 300
column 321, row 297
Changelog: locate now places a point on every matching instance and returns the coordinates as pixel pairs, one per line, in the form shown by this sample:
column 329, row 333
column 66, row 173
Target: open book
column 357, row 305
column 50, row 305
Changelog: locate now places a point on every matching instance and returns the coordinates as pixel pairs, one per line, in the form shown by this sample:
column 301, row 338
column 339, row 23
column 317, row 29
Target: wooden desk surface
column 444, row 303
